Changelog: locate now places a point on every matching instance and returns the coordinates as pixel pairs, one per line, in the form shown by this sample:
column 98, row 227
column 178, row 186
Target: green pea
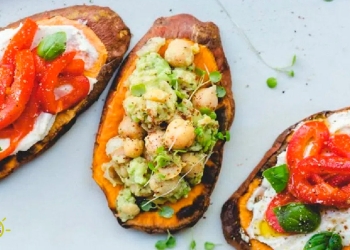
column 52, row 45
column 298, row 218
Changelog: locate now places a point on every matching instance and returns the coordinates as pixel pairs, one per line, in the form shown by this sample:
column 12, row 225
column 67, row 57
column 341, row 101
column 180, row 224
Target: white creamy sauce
column 334, row 220
column 76, row 40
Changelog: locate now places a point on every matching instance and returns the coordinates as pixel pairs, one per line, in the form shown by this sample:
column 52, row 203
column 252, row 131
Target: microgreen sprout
column 225, row 136
column 208, row 112
column 169, row 242
column 166, row 212
column 215, row 76
column 209, row 245
column 146, row 206
column 272, row 81
column 220, row 91
column 193, row 244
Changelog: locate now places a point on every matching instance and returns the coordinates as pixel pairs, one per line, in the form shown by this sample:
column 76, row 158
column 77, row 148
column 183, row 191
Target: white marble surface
column 53, row 203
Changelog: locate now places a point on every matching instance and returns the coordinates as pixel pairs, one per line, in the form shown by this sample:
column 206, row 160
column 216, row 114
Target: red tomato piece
column 314, row 134
column 280, row 199
column 21, row 89
column 23, row 39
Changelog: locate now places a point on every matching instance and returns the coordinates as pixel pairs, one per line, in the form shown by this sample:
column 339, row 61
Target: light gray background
column 53, row 203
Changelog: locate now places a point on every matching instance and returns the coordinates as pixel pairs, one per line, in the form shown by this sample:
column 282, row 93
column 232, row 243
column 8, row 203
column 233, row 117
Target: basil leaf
column 166, row 212
column 297, row 217
column 52, row 45
column 324, row 241
column 278, row 177
column 215, row 76
column 220, row 91
column 138, row 89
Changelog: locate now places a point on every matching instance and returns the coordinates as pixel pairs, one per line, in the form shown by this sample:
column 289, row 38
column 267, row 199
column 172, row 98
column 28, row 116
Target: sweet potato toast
column 111, row 37
column 186, row 210
column 309, row 150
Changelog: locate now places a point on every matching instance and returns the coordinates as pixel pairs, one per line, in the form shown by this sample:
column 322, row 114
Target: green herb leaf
column 293, row 60
column 151, row 166
column 199, row 72
column 324, row 241
column 225, row 137
column 209, row 245
column 171, row 241
column 220, row 91
column 208, row 112
column 161, row 244
column 296, row 217
column 138, row 89
column 166, row 212
column 180, row 94
column 271, row 82
column 278, row 177
column 146, row 206
column 199, row 131
column 193, row 245
column 52, row 46
column 215, row 76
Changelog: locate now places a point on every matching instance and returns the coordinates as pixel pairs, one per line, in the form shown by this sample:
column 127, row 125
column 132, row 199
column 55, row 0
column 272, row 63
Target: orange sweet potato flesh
column 187, row 210
column 235, row 217
column 110, row 36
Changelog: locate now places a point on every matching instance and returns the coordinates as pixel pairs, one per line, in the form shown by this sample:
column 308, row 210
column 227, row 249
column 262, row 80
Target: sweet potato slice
column 187, row 210
column 235, row 217
column 115, row 37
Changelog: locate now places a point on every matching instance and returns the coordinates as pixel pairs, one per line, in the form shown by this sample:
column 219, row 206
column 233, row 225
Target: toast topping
column 170, row 105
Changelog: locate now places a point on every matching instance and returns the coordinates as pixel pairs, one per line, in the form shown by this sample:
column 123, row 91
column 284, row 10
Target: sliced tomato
column 20, row 90
column 308, row 140
column 280, row 199
column 23, row 39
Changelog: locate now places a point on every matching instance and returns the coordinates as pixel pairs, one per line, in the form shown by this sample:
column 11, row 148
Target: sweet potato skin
column 191, row 208
column 230, row 217
column 115, row 35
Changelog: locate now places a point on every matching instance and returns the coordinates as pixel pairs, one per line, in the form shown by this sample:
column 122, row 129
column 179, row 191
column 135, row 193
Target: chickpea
column 115, row 149
column 179, row 53
column 179, row 134
column 205, row 98
column 133, row 147
column 131, row 129
column 153, row 141
column 163, row 187
column 193, row 165
column 170, row 171
column 129, row 210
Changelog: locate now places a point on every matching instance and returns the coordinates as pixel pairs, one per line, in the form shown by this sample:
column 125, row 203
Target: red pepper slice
column 280, row 199
column 40, row 65
column 51, row 80
column 6, row 78
column 22, row 126
column 23, row 39
column 75, row 67
column 320, row 192
column 340, row 145
column 314, row 134
column 21, row 89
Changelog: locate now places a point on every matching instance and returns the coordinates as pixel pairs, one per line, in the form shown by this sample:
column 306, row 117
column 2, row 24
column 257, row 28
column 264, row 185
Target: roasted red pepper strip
column 49, row 81
column 21, row 89
column 22, row 126
column 315, row 132
column 320, row 192
column 80, row 88
column 23, row 39
column 280, row 199
column 6, row 79
column 340, row 145
column 75, row 67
